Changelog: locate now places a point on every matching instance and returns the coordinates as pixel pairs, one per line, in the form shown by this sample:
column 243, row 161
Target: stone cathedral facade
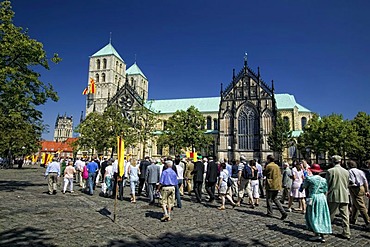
column 63, row 128
column 240, row 119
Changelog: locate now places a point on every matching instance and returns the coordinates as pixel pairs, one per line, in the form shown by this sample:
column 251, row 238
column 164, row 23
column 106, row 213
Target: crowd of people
column 344, row 187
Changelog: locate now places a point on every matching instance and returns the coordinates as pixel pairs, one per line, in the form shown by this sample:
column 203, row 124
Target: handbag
column 229, row 182
column 309, row 201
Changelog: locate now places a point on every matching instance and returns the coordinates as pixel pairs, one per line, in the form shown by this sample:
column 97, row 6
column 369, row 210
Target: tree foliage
column 280, row 136
column 21, row 89
column 185, row 129
column 145, row 124
column 361, row 125
column 329, row 134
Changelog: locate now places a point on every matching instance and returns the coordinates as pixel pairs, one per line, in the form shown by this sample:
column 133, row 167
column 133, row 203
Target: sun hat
column 316, row 168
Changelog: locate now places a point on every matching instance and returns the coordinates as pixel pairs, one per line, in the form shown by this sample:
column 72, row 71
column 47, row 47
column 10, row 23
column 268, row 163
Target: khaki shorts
column 168, row 196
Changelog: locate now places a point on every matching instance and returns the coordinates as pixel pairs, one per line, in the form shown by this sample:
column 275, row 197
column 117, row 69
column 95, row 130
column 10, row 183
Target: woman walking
column 317, row 214
column 133, row 171
column 254, row 182
column 69, row 172
column 298, row 177
column 222, row 187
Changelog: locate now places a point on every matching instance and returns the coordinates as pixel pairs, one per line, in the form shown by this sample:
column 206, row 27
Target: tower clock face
column 126, row 102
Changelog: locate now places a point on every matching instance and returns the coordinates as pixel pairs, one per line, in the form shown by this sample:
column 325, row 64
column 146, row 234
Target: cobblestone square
column 31, row 217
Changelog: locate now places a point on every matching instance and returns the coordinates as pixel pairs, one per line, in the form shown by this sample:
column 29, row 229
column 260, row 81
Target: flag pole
column 116, row 188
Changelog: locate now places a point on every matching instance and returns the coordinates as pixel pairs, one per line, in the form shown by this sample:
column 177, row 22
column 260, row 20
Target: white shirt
column 115, row 166
column 180, row 172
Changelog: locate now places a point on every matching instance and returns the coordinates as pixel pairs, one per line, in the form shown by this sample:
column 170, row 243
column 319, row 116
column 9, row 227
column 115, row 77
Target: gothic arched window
column 117, row 66
column 209, row 123
column 248, row 129
column 103, row 77
column 286, row 119
column 104, row 63
column 98, row 64
column 97, row 77
column 215, row 124
column 303, row 122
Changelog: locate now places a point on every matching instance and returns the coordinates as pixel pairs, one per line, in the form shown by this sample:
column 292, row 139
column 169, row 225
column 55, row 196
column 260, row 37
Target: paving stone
column 29, row 216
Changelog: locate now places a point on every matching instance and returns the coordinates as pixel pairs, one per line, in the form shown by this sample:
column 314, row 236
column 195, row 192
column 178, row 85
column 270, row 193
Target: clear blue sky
column 319, row 51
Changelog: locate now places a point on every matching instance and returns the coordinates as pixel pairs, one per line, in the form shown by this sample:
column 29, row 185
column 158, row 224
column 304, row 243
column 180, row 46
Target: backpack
column 247, row 172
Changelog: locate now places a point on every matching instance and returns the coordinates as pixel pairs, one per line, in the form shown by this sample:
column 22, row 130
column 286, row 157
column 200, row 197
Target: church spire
column 110, row 38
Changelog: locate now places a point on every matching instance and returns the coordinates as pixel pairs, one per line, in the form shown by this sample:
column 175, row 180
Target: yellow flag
column 34, row 158
column 121, row 155
column 43, row 158
column 50, row 158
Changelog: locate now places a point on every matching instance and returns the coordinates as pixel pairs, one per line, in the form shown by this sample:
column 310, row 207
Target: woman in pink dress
column 298, row 177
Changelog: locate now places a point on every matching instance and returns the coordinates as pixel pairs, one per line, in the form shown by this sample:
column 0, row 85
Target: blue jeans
column 177, row 196
column 90, row 181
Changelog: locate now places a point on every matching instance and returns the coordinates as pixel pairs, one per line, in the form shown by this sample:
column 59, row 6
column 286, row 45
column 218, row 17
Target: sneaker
column 72, row 191
column 221, row 208
column 63, row 192
column 289, row 210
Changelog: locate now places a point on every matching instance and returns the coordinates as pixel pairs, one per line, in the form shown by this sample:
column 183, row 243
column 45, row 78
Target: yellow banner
column 121, row 155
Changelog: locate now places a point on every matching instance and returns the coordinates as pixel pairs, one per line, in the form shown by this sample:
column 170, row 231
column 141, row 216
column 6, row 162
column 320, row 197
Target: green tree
column 117, row 125
column 21, row 89
column 280, row 136
column 361, row 124
column 185, row 129
column 145, row 124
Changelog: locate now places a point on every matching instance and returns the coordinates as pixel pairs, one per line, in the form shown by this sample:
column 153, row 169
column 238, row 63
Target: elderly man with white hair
column 287, row 182
column 167, row 184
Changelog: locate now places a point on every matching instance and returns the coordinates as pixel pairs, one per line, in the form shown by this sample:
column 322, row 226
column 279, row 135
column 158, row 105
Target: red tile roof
column 52, row 146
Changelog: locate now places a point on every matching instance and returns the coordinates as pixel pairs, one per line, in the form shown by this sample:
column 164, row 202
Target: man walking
column 337, row 196
column 167, row 184
column 211, row 179
column 143, row 166
column 358, row 188
column 53, row 173
column 152, row 177
column 198, row 178
column 244, row 181
column 287, row 182
column 92, row 168
column 189, row 168
column 273, row 186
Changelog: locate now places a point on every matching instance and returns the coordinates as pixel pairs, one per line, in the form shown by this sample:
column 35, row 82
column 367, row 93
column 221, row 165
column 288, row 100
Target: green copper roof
column 211, row 104
column 287, row 101
column 296, row 133
column 135, row 70
column 172, row 105
column 106, row 51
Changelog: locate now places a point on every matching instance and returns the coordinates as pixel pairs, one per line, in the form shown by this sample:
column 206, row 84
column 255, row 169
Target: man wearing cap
column 167, row 184
column 52, row 173
column 358, row 188
column 337, row 196
column 152, row 177
column 198, row 178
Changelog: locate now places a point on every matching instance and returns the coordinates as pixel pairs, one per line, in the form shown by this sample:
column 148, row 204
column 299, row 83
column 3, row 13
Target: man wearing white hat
column 338, row 182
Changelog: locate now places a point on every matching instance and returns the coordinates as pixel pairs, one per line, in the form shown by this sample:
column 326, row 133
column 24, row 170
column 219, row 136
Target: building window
column 116, row 79
column 98, row 64
column 120, row 68
column 97, row 77
column 215, row 124
column 286, row 119
column 164, row 125
column 303, row 122
column 209, row 123
column 104, row 63
column 248, row 129
column 117, row 66
column 103, row 77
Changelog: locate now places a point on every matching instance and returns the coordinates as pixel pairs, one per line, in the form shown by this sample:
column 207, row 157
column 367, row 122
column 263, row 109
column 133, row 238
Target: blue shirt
column 92, row 167
column 53, row 167
column 168, row 178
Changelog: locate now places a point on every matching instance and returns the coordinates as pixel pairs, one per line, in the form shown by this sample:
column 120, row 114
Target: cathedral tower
column 63, row 128
column 138, row 81
column 108, row 70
